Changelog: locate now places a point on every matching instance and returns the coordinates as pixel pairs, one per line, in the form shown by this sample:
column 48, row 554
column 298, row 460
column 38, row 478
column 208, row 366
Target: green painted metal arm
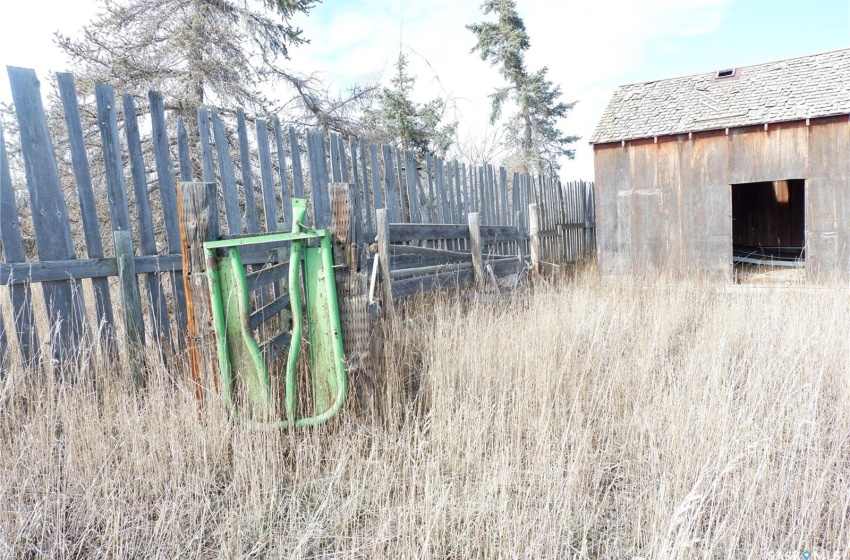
column 257, row 381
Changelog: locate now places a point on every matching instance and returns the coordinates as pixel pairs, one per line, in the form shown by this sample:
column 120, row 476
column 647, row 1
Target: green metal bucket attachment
column 243, row 361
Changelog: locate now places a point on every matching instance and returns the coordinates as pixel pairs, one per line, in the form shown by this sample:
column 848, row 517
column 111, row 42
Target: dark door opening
column 768, row 223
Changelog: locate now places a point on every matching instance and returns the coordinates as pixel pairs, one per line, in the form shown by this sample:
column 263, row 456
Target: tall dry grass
column 595, row 420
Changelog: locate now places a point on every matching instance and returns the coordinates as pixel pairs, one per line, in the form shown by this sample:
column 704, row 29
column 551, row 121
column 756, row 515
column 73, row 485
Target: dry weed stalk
column 595, row 420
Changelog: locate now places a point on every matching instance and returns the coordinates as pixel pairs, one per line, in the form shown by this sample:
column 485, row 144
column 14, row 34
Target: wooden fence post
column 475, row 247
column 383, row 227
column 131, row 302
column 198, row 224
column 534, row 233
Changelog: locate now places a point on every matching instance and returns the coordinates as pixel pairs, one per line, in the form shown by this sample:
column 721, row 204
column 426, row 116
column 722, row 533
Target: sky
column 590, row 46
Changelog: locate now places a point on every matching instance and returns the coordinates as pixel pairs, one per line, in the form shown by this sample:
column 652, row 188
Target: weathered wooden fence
column 435, row 223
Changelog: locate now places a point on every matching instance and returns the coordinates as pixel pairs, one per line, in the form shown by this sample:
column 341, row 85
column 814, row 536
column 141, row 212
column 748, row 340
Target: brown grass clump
column 595, row 420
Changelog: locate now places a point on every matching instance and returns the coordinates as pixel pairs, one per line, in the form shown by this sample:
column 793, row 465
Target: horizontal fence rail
column 102, row 200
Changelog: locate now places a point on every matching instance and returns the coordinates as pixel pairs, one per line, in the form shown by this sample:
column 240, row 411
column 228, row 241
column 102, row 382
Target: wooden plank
column 401, row 273
column 515, row 213
column 207, row 164
column 227, row 176
column 22, row 273
column 168, row 196
column 336, row 173
column 493, row 195
column 506, row 267
column 356, row 195
column 479, row 194
column 13, row 252
column 367, row 192
column 467, row 201
column 319, row 178
column 198, row 224
column 400, row 233
column 383, row 228
column 423, row 284
column 393, row 206
column 271, row 309
column 276, row 346
column 402, row 197
column 376, row 176
column 412, row 178
column 533, row 228
column 498, row 234
column 343, row 160
column 432, row 205
column 266, row 176
column 444, row 215
column 119, row 215
column 421, row 201
column 475, row 248
column 131, row 303
column 297, row 173
column 398, row 262
column 252, row 218
column 88, row 207
column 428, row 252
column 157, row 307
column 503, row 197
column 183, row 151
column 285, row 198
column 450, row 195
column 265, row 276
column 65, row 304
column 461, row 211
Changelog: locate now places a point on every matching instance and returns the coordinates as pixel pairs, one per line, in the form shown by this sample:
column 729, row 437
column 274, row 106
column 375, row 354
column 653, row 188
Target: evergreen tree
column 532, row 135
column 406, row 124
column 199, row 52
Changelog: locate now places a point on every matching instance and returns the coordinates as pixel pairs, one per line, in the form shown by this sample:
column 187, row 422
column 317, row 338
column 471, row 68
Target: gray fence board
column 376, row 176
column 49, row 213
column 157, row 308
column 227, row 177
column 13, row 252
column 207, row 163
column 367, row 196
column 319, row 178
column 252, row 218
column 168, row 196
column 266, row 176
column 412, row 177
column 85, row 192
column 183, row 152
column 393, row 205
column 297, row 174
column 333, row 145
column 285, row 198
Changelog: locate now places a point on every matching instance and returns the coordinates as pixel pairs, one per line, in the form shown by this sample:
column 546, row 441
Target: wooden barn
column 728, row 169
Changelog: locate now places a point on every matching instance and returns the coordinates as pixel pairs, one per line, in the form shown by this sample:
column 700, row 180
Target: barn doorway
column 769, row 229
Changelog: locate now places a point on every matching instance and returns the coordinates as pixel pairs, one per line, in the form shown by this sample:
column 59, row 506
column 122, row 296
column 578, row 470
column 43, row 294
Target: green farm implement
column 269, row 300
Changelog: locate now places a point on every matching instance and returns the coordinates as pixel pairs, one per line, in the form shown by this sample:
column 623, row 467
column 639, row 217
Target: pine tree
column 198, row 52
column 409, row 125
column 532, row 135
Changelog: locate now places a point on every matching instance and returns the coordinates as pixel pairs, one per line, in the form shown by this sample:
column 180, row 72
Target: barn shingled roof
column 787, row 90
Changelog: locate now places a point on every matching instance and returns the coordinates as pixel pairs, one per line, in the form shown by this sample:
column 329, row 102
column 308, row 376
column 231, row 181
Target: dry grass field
column 593, row 420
